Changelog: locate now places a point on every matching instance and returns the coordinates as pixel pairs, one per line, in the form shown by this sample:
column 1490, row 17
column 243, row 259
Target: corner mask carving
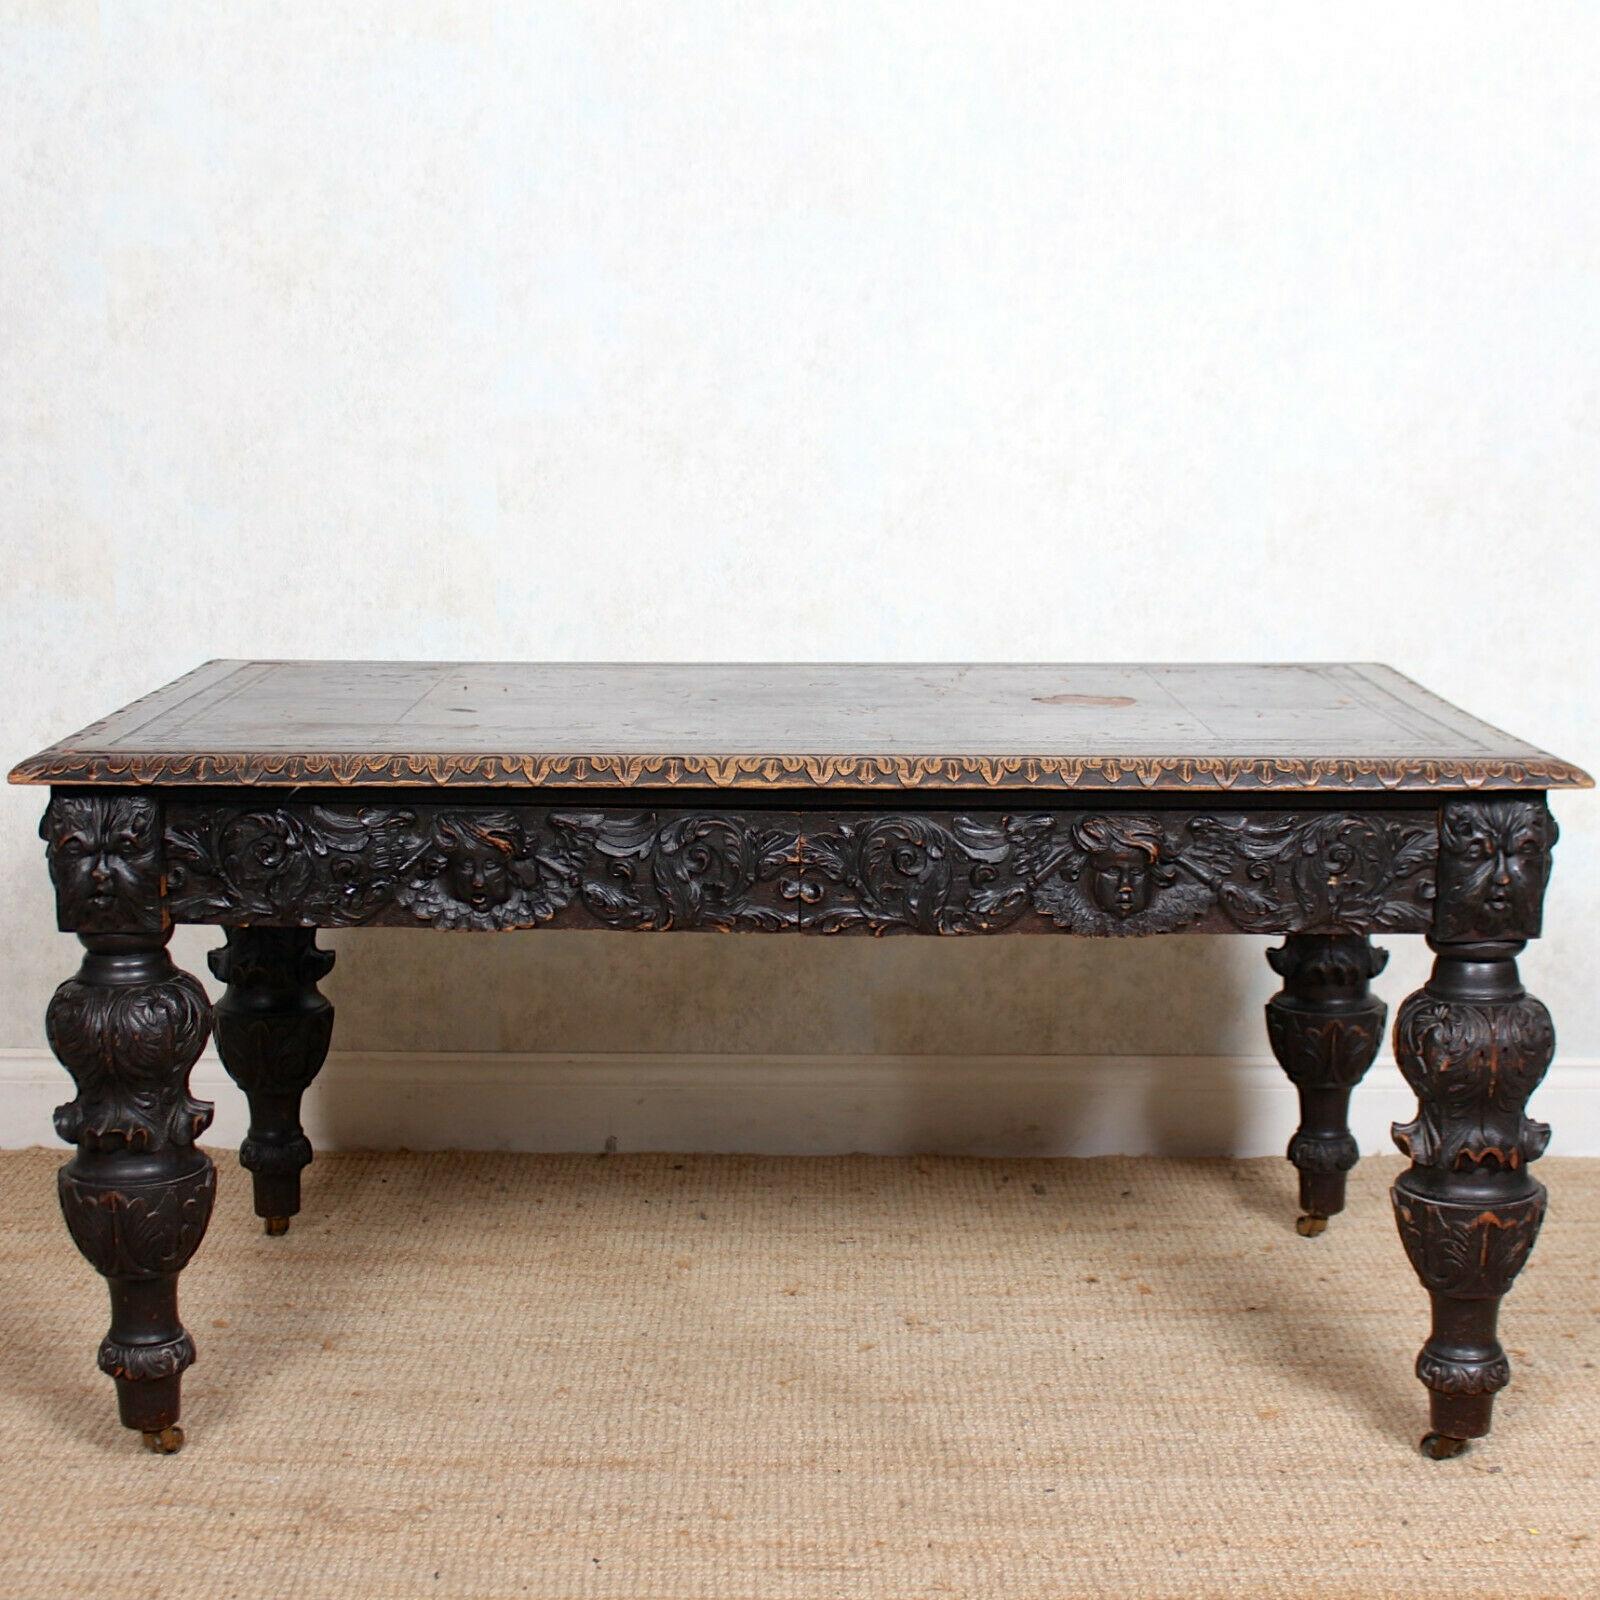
column 105, row 861
column 1494, row 863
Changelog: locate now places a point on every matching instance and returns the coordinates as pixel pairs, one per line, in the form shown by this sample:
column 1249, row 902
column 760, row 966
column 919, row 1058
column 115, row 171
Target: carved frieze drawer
column 1098, row 872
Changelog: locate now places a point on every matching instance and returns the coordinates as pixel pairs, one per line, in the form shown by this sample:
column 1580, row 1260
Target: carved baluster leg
column 138, row 1194
column 1474, row 1045
column 273, row 1029
column 1325, row 1027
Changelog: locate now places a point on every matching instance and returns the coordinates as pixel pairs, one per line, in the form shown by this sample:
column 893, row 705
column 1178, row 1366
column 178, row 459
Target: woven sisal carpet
column 696, row 1377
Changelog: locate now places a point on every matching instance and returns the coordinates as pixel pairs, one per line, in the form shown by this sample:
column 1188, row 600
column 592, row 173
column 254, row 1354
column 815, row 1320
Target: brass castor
column 276, row 1227
column 1309, row 1226
column 1440, row 1446
column 168, row 1442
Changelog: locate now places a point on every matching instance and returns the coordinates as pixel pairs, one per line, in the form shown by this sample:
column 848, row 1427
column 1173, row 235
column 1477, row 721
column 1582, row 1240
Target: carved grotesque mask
column 104, row 861
column 1493, row 868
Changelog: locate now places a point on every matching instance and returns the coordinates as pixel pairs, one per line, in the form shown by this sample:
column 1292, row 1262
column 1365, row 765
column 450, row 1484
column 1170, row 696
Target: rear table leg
column 1325, row 1027
column 273, row 1029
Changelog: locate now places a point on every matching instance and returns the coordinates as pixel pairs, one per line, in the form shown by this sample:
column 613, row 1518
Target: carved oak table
column 1324, row 804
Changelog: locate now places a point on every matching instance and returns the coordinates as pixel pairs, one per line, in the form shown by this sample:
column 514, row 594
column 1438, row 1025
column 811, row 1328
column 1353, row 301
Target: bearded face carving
column 105, row 861
column 1494, row 862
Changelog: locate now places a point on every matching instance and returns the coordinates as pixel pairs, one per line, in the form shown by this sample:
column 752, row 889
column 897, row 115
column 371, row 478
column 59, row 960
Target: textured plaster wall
column 857, row 330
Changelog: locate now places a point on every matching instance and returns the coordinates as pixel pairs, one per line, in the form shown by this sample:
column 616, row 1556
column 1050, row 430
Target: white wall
column 858, row 330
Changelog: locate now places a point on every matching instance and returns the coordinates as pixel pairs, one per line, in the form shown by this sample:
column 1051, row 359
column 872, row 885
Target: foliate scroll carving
column 1494, row 864
column 1472, row 1065
column 697, row 870
column 879, row 873
column 1323, row 872
column 1103, row 872
column 330, row 866
column 129, row 1046
column 104, row 853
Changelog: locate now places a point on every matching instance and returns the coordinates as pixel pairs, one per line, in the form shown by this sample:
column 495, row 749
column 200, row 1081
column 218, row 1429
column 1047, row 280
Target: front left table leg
column 137, row 1195
column 1325, row 1027
column 273, row 1031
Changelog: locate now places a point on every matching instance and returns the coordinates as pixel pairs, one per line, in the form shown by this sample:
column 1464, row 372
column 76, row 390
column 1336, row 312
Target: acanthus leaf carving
column 1102, row 873
column 1472, row 1065
column 129, row 1048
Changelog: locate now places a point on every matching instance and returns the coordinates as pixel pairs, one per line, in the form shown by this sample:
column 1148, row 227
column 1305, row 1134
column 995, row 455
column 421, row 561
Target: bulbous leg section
column 1325, row 1027
column 273, row 1031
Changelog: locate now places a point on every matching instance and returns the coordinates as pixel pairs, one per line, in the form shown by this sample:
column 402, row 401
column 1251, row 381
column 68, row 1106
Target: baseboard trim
column 782, row 1104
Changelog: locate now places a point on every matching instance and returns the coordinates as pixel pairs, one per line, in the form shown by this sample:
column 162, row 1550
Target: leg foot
column 165, row 1442
column 275, row 1227
column 273, row 1030
column 1325, row 1028
column 1441, row 1447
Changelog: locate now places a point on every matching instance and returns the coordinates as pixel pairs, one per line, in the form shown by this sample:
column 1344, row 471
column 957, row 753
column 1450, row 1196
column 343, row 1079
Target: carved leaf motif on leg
column 144, row 1231
column 1474, row 1045
column 1473, row 1067
column 1468, row 1251
column 129, row 1049
column 137, row 1194
column 1333, row 1052
column 1325, row 1027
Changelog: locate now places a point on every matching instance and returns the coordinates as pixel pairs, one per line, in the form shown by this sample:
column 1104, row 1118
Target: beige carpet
column 689, row 1377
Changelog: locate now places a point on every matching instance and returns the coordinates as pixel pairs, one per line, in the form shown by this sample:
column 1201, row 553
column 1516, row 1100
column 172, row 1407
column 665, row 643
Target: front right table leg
column 1473, row 1044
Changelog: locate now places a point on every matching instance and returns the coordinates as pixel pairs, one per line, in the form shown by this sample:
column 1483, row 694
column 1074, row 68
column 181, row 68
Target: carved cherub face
column 1493, row 868
column 1124, row 862
column 104, row 859
column 475, row 868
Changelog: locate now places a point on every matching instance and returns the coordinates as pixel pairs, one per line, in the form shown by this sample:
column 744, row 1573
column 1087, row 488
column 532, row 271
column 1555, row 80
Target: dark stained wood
column 273, row 799
column 1334, row 727
column 138, row 1194
column 1106, row 873
column 1473, row 1045
column 1325, row 1027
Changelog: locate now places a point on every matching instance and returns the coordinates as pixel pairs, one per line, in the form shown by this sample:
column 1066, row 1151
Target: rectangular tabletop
column 756, row 725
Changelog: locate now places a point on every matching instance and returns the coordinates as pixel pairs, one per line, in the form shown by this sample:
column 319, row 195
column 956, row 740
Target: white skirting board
column 794, row 1105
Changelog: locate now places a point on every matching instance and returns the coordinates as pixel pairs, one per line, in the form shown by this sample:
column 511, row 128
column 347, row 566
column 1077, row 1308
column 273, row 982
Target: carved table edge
column 836, row 773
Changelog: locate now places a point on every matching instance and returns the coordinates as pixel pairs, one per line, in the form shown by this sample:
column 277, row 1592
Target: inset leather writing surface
column 797, row 725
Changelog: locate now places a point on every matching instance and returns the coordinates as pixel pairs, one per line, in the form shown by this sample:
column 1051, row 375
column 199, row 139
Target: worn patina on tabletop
column 1323, row 804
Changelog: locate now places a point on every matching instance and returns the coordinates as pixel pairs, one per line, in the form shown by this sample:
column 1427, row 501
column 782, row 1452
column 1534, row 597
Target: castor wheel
column 1308, row 1226
column 276, row 1227
column 1440, row 1446
column 167, row 1442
